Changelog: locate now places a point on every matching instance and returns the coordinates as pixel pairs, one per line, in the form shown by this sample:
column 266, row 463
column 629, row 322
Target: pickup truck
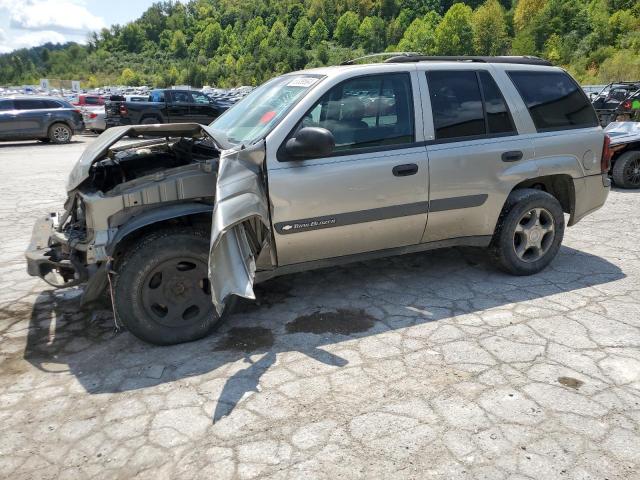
column 164, row 106
column 323, row 167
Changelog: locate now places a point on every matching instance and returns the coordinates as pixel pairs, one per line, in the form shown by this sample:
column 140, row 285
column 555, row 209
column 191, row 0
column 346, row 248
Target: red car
column 89, row 100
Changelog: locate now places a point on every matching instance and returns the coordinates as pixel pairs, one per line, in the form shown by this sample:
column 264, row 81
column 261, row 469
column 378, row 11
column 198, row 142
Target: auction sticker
column 305, row 82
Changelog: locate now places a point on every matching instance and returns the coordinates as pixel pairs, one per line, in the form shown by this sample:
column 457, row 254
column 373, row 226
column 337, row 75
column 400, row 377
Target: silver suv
column 322, row 167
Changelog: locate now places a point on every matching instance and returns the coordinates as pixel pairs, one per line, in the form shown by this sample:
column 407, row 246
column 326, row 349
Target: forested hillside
column 233, row 42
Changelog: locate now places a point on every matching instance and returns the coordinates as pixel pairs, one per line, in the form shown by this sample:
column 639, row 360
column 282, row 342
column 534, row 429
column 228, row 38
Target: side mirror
column 310, row 142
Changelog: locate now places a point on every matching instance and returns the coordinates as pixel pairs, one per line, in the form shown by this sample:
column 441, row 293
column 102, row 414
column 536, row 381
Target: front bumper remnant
column 47, row 261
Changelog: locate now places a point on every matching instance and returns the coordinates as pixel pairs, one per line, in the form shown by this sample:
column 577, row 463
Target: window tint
column 200, row 98
column 6, row 104
column 498, row 118
column 29, row 104
column 554, row 100
column 92, row 101
column 456, row 104
column 366, row 112
column 53, row 104
column 181, row 97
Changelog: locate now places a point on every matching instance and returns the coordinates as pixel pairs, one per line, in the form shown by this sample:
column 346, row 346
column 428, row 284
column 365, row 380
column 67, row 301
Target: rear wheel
column 626, row 170
column 162, row 289
column 60, row 133
column 529, row 232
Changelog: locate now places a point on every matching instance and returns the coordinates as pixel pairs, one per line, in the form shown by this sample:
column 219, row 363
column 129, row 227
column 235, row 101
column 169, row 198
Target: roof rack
column 381, row 54
column 523, row 60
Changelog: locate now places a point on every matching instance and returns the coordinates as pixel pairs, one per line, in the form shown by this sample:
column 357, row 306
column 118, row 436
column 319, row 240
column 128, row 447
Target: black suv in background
column 39, row 118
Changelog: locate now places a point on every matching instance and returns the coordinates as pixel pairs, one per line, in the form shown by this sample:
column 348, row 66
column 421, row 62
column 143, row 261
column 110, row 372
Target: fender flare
column 156, row 215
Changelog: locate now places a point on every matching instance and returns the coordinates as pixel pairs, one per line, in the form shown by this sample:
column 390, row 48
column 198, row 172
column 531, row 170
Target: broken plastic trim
column 240, row 196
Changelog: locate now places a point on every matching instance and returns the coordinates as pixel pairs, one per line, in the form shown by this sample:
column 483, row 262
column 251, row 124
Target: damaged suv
column 323, row 167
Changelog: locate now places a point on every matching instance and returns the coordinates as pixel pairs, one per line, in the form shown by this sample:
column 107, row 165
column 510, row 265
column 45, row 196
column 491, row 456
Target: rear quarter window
column 555, row 101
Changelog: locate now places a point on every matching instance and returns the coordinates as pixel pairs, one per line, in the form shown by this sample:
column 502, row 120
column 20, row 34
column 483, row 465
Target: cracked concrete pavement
column 431, row 365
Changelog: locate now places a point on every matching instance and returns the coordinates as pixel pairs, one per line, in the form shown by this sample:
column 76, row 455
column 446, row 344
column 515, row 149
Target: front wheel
column 162, row 289
column 529, row 232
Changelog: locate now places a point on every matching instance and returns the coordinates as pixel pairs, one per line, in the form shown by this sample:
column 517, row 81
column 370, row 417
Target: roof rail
column 381, row 54
column 523, row 60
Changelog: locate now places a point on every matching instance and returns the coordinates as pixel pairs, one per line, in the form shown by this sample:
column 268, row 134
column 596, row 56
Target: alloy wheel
column 534, row 234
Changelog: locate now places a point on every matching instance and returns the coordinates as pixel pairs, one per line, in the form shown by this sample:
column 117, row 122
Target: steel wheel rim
column 61, row 134
column 632, row 172
column 534, row 234
column 176, row 293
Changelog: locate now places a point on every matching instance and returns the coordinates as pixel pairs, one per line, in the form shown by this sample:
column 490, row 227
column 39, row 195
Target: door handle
column 512, row 156
column 405, row 170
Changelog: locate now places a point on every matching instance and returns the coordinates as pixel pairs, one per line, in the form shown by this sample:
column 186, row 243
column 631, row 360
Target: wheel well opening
column 560, row 186
column 197, row 221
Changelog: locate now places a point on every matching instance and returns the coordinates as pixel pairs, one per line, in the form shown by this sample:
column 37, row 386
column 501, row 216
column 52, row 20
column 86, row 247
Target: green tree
column 318, row 33
column 346, row 30
column 420, row 36
column 490, row 35
column 178, row 44
column 371, row 34
column 397, row 27
column 525, row 11
column 129, row 77
column 454, row 35
column 301, row 32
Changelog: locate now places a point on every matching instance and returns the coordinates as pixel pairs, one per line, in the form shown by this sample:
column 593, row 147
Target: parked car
column 625, row 147
column 94, row 119
column 89, row 100
column 163, row 106
column 482, row 151
column 47, row 119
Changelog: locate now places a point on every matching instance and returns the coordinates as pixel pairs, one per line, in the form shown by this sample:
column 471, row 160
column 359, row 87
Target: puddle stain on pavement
column 342, row 322
column 570, row 382
column 246, row 339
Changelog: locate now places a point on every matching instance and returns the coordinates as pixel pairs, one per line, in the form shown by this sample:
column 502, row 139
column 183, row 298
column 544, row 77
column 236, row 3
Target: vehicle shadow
column 304, row 313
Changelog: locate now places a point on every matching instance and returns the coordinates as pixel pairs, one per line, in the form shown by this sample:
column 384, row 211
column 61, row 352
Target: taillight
column 605, row 162
column 123, row 110
column 77, row 110
column 626, row 105
column 93, row 115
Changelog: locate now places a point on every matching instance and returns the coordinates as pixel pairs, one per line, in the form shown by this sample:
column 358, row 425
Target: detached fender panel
column 240, row 196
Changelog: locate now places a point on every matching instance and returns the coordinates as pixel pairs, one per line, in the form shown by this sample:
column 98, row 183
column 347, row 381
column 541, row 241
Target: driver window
column 366, row 112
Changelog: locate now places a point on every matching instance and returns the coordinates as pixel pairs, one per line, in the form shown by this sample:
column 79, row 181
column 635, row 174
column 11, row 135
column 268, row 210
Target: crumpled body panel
column 240, row 197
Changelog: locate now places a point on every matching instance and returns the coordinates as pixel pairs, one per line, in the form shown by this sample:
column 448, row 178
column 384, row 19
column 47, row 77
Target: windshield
column 255, row 115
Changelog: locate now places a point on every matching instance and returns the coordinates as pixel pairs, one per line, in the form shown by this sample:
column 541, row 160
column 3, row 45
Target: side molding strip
column 383, row 213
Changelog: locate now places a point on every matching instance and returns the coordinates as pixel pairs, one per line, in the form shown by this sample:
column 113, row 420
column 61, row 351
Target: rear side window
column 554, row 99
column 6, row 104
column 157, row 96
column 498, row 117
column 29, row 104
column 467, row 104
column 92, row 101
column 52, row 104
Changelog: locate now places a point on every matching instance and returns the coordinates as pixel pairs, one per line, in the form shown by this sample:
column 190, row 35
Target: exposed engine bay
column 128, row 162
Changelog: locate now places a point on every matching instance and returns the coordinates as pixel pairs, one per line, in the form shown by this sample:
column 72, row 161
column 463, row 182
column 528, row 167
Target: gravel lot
column 425, row 366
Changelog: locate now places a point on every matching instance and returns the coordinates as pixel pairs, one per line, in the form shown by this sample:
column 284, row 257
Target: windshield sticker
column 305, row 82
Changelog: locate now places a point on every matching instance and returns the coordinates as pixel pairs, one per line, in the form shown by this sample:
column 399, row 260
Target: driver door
column 371, row 193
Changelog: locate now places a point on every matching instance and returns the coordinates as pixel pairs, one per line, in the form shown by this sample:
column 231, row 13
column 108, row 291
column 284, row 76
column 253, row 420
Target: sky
column 28, row 23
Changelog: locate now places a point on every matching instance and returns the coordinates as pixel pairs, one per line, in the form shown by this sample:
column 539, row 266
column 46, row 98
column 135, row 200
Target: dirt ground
column 431, row 365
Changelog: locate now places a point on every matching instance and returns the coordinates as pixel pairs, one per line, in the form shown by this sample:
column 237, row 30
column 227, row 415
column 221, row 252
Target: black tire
column 162, row 293
column 626, row 170
column 60, row 133
column 44, row 140
column 518, row 228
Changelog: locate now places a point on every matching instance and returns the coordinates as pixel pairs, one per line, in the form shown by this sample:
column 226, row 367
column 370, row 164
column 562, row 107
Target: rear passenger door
column 474, row 147
column 8, row 119
column 178, row 107
column 372, row 192
column 32, row 117
column 201, row 110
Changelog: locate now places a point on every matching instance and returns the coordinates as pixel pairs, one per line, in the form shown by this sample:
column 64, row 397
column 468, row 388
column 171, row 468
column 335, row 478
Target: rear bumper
column 590, row 194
